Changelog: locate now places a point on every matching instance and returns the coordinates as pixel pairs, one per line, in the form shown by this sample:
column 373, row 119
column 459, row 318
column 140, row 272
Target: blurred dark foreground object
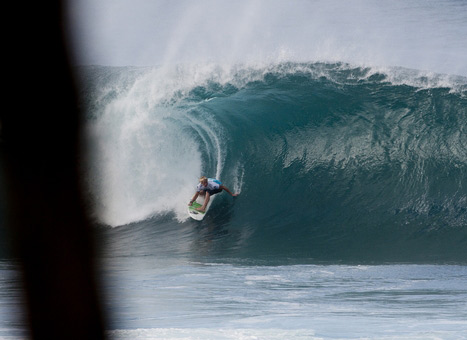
column 40, row 127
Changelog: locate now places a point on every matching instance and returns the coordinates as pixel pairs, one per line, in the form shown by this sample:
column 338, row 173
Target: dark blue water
column 333, row 162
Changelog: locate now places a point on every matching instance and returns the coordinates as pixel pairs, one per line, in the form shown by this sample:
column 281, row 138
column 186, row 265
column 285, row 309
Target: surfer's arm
column 194, row 198
column 227, row 189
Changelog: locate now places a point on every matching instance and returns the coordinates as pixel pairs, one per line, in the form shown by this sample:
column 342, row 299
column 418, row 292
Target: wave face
column 332, row 161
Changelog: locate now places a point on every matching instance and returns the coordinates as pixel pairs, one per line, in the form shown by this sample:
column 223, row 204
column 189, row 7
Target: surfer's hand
column 191, row 203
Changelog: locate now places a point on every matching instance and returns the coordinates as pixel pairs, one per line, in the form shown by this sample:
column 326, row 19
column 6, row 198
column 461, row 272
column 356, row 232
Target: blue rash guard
column 213, row 186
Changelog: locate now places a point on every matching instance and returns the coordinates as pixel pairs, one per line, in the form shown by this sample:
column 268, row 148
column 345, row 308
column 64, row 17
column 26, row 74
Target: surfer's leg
column 206, row 201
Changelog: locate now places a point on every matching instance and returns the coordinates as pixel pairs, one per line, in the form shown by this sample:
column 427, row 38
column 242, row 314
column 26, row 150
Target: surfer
column 208, row 187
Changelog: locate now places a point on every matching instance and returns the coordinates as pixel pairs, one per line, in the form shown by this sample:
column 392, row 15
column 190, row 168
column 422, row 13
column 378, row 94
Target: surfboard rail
column 195, row 214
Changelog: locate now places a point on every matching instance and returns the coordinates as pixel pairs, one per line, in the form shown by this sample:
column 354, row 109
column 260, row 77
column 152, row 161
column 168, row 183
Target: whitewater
column 341, row 124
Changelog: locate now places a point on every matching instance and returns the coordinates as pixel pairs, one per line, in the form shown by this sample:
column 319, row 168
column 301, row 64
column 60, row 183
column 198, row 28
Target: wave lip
column 419, row 34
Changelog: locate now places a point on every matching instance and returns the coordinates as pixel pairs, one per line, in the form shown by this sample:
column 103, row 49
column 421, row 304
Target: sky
column 420, row 34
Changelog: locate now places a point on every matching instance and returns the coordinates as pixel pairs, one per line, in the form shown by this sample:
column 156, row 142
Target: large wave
column 321, row 153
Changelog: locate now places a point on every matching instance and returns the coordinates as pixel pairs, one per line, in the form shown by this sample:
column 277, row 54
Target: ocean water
column 351, row 220
column 351, row 164
column 332, row 162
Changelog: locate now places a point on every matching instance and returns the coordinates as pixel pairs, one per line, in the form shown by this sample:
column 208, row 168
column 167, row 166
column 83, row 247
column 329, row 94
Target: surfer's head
column 203, row 180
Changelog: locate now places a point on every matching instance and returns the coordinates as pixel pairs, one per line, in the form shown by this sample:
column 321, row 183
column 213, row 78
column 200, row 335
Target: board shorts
column 213, row 191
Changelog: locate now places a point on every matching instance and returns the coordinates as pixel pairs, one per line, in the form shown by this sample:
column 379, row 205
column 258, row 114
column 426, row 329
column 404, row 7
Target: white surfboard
column 195, row 214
